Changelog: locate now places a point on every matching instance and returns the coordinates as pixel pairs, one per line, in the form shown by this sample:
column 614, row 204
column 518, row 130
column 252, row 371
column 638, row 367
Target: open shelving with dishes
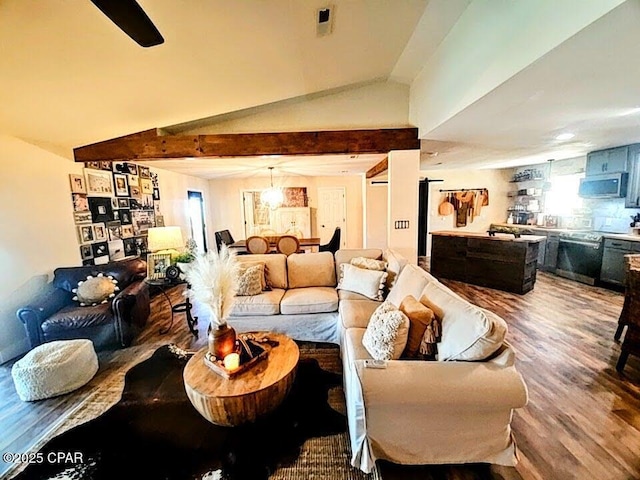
column 528, row 198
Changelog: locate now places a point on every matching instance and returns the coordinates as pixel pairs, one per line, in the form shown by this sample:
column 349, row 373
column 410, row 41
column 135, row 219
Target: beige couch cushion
column 468, row 332
column 311, row 270
column 356, row 313
column 346, row 255
column 267, row 303
column 309, row 300
column 411, row 281
column 348, row 295
column 276, row 267
column 395, row 264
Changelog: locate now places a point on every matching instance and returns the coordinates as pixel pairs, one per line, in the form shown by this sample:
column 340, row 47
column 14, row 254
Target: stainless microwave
column 608, row 185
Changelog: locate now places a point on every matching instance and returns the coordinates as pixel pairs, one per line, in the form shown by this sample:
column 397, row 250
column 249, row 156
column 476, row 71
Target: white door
column 332, row 213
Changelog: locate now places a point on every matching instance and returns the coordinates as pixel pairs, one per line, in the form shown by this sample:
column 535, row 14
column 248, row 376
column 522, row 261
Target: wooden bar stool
column 630, row 316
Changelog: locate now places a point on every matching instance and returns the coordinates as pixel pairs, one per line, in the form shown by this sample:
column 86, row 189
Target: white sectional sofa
column 412, row 412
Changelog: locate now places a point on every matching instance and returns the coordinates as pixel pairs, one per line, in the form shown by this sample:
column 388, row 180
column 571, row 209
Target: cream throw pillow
column 387, row 332
column 250, row 281
column 369, row 263
column 369, row 283
column 468, row 332
column 95, row 290
column 264, row 272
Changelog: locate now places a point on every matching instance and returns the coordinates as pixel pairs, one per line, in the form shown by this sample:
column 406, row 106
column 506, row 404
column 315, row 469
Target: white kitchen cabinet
column 293, row 220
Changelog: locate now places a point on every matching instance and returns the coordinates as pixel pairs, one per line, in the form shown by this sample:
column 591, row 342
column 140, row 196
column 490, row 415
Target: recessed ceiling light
column 565, row 136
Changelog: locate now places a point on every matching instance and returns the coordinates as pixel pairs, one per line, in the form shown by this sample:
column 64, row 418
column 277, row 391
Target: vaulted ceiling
column 533, row 69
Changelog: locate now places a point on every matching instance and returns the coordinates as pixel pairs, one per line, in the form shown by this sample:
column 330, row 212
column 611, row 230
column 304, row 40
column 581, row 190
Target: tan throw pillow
column 369, row 283
column 369, row 263
column 264, row 272
column 249, row 281
column 387, row 332
column 95, row 290
column 420, row 317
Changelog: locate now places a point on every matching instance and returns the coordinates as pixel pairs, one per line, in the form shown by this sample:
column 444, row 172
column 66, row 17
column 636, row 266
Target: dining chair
column 630, row 316
column 257, row 244
column 288, row 244
column 334, row 244
column 223, row 236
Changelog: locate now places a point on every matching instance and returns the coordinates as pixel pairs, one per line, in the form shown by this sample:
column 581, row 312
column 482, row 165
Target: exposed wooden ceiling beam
column 147, row 146
column 378, row 168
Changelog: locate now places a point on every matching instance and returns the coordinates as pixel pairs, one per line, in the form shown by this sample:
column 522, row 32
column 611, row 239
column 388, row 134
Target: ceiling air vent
column 324, row 20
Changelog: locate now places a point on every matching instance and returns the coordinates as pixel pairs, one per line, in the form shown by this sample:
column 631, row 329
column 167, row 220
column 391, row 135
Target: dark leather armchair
column 56, row 316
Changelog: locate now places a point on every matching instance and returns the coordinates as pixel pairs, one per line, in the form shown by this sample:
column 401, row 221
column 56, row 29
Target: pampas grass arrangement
column 213, row 279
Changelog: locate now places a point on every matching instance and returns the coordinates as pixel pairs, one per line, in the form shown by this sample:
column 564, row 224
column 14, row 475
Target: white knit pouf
column 54, row 368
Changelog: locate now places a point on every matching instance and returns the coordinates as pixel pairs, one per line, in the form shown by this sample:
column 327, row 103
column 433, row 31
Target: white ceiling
column 74, row 78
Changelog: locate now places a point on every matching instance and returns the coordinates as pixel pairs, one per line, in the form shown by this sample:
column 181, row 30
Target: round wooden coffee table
column 241, row 399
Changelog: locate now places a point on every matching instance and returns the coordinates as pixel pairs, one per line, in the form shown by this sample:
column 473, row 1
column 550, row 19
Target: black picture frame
column 100, row 249
column 130, row 247
column 125, row 216
column 100, row 208
column 86, row 252
column 123, row 202
column 156, row 193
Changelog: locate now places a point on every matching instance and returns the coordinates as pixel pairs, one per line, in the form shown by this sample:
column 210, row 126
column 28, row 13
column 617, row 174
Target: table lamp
column 165, row 240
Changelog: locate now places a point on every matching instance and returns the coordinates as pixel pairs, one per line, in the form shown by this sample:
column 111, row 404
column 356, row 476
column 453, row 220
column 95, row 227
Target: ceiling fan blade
column 132, row 20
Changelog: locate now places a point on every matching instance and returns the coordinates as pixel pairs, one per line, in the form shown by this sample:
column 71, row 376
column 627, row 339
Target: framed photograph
column 82, row 217
column 80, row 202
column 127, row 231
column 135, row 192
column 132, row 168
column 88, row 262
column 141, row 245
column 85, row 234
column 121, row 184
column 114, row 229
column 102, row 260
column 122, row 202
column 156, row 193
column 86, row 252
column 77, row 183
column 101, row 210
column 125, row 216
column 116, row 250
column 92, row 165
column 99, row 182
column 99, row 232
column 156, row 208
column 142, row 220
column 159, row 221
column 144, row 172
column 105, row 165
column 157, row 264
column 116, row 216
column 146, row 186
column 147, row 202
column 134, row 204
column 114, row 203
column 99, row 250
column 130, row 248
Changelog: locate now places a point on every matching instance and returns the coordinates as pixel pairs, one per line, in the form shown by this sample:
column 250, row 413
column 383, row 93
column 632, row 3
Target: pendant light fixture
column 272, row 197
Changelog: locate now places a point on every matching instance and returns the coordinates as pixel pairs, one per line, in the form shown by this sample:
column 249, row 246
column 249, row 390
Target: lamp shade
column 164, row 238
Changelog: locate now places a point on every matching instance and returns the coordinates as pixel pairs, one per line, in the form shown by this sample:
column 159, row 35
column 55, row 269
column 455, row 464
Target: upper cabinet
column 612, row 160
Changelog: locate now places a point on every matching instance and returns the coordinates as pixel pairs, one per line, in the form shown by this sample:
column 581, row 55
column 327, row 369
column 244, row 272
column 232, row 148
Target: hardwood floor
column 582, row 421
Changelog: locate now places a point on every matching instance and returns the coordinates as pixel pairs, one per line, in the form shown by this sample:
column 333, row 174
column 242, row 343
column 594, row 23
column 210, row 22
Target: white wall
column 403, row 174
column 496, row 181
column 225, row 202
column 38, row 233
column 376, row 215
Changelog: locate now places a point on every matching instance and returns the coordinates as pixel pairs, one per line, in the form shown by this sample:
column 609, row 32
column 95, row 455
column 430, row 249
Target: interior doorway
column 196, row 218
column 332, row 213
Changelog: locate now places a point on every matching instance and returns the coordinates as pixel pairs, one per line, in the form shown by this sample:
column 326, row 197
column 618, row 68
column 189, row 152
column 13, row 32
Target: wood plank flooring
column 582, row 422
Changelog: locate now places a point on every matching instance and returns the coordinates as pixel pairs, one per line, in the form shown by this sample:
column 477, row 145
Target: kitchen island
column 503, row 261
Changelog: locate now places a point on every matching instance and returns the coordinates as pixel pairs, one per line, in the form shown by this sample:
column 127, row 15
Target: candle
column 232, row 361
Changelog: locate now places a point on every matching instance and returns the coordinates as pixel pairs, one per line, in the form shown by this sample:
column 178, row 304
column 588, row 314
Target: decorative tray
column 251, row 350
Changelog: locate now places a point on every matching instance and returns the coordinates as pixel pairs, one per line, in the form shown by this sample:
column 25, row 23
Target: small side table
column 184, row 307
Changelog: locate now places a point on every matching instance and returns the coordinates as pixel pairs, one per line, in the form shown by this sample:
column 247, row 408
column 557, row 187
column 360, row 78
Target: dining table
column 310, row 244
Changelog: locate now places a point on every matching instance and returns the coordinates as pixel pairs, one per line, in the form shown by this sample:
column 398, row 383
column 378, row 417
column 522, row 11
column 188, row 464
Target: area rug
column 153, row 432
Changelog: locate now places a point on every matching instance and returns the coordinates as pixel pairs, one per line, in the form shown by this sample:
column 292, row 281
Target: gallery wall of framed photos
column 114, row 204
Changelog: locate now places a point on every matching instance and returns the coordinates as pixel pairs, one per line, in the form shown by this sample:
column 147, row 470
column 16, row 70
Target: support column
column 402, row 206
